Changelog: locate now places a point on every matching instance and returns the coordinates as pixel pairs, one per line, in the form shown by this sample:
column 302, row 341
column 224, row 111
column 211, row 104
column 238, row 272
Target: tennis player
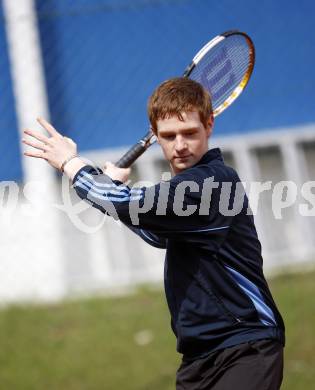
column 228, row 328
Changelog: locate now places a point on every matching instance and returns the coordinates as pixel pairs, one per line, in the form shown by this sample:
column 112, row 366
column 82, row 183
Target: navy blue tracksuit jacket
column 214, row 282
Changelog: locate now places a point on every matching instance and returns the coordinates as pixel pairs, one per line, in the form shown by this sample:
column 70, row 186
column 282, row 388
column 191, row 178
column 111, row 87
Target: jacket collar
column 210, row 155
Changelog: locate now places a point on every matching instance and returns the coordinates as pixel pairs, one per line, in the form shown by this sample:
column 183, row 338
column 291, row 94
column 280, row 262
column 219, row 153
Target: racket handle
column 128, row 158
column 135, row 151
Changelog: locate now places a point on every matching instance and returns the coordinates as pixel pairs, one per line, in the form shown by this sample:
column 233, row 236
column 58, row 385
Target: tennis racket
column 223, row 66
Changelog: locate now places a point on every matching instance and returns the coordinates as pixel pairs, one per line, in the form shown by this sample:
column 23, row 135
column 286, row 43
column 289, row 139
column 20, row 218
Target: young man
column 223, row 315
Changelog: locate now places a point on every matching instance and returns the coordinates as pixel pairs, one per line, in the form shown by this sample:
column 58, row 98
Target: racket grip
column 129, row 157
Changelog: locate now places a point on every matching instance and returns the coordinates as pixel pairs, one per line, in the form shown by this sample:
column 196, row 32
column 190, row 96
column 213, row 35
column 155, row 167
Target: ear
column 210, row 123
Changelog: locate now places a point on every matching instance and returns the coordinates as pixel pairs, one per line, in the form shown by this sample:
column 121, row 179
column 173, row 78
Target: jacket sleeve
column 170, row 209
column 149, row 237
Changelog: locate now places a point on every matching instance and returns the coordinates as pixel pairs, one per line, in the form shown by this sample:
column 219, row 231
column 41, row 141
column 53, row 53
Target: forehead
column 191, row 119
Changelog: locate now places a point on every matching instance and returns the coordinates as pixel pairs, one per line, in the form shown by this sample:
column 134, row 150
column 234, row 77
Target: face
column 185, row 141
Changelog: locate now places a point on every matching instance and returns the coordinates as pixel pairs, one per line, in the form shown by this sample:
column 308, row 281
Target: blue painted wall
column 10, row 163
column 103, row 58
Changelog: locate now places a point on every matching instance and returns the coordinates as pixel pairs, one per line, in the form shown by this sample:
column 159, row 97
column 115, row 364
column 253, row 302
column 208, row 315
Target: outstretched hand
column 57, row 150
column 54, row 149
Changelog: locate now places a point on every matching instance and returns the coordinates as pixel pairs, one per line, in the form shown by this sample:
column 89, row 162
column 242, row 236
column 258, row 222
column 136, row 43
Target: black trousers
column 255, row 365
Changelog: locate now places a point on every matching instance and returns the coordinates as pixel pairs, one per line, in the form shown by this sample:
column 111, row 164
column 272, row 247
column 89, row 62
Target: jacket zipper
column 219, row 301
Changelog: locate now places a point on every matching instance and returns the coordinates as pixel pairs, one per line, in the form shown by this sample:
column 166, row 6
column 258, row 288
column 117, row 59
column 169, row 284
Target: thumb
column 108, row 164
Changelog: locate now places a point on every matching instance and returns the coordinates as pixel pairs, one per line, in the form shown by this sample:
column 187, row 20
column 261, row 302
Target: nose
column 180, row 144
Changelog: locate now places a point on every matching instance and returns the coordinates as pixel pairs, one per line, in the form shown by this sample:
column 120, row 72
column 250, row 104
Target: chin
column 182, row 166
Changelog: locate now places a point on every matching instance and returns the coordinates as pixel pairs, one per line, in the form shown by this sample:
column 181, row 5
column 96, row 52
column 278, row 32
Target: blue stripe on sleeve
column 84, row 177
column 104, row 196
column 106, row 191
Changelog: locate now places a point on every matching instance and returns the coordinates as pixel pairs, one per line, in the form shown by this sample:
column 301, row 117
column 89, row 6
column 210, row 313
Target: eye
column 169, row 137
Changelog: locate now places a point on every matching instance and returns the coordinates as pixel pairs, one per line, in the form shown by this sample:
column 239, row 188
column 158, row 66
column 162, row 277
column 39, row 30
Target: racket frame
column 145, row 142
column 243, row 83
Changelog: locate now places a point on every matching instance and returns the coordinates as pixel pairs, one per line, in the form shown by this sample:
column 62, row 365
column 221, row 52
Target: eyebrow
column 184, row 130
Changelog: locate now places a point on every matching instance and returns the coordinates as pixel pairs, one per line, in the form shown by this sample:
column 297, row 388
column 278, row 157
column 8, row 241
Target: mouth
column 182, row 157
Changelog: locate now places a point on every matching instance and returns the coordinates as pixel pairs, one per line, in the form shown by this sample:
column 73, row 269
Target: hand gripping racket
column 223, row 66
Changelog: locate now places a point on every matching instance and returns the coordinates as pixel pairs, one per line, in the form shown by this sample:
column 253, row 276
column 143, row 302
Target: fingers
column 35, row 154
column 46, row 125
column 36, row 134
column 36, row 145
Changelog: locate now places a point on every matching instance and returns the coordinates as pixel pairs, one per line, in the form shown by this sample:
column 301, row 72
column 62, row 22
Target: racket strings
column 223, row 68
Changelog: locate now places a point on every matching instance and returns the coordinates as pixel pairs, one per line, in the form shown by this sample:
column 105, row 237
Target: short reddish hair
column 178, row 95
